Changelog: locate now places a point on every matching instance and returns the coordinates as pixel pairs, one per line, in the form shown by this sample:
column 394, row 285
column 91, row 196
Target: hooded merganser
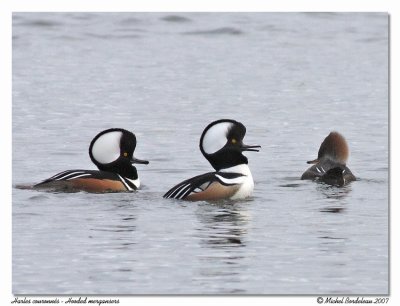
column 222, row 145
column 112, row 152
column 330, row 166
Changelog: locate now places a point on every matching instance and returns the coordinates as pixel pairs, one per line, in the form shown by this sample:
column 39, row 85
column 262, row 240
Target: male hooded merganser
column 222, row 145
column 112, row 152
column 330, row 166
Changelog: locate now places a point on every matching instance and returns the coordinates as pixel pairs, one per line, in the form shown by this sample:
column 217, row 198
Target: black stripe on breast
column 127, row 183
column 228, row 176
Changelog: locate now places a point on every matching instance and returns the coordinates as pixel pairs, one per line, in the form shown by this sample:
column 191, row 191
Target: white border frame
column 9, row 6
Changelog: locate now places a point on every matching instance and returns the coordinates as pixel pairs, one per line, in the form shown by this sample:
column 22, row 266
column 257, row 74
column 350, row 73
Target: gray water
column 290, row 78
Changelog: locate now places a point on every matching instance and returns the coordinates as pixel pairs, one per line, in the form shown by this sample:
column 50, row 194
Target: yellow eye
column 125, row 154
column 233, row 140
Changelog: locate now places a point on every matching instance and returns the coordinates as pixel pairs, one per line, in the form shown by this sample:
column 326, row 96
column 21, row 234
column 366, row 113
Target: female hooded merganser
column 112, row 152
column 330, row 166
column 222, row 145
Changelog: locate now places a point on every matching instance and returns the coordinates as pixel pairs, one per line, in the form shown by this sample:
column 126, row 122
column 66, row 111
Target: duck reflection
column 335, row 196
column 223, row 225
column 222, row 236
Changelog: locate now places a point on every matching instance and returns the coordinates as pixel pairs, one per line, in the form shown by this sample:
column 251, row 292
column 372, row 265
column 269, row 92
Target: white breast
column 247, row 183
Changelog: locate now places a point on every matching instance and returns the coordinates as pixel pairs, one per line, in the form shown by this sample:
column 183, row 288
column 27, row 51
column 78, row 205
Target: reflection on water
column 333, row 192
column 116, row 229
column 222, row 233
column 176, row 18
column 332, row 209
column 218, row 31
column 335, row 196
column 223, row 226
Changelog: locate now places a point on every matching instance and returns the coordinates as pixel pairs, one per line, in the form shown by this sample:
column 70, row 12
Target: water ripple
column 176, row 18
column 41, row 23
column 217, row 31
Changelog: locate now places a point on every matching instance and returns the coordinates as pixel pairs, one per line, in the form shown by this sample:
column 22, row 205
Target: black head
column 222, row 144
column 112, row 150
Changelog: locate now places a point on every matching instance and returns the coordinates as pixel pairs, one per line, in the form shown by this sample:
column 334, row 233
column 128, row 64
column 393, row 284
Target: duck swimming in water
column 112, row 152
column 330, row 166
column 222, row 145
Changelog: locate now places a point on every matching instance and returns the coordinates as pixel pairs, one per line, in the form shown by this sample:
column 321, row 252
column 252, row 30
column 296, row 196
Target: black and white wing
column 74, row 174
column 201, row 183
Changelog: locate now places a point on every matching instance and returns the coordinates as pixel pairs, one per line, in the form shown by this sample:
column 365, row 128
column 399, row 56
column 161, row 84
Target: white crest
column 106, row 148
column 215, row 137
